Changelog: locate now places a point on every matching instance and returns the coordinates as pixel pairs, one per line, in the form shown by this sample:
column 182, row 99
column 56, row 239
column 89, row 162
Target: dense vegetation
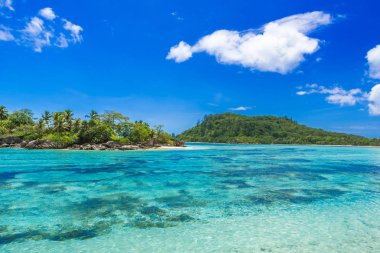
column 233, row 128
column 63, row 127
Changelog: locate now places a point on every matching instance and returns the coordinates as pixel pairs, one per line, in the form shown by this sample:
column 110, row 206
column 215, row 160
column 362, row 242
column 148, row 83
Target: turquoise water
column 207, row 198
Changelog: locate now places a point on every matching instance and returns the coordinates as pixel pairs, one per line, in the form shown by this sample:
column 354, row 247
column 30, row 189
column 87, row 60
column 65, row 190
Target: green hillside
column 233, row 128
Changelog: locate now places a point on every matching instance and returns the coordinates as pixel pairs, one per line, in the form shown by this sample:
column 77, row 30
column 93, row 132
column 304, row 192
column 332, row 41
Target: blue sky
column 311, row 63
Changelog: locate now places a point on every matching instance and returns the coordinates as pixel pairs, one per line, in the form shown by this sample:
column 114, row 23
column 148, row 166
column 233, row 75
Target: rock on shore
column 50, row 144
column 110, row 145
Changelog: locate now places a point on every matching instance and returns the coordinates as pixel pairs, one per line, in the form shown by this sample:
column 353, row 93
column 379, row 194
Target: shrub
column 140, row 132
column 98, row 133
column 65, row 138
column 3, row 130
column 123, row 140
column 21, row 117
column 164, row 138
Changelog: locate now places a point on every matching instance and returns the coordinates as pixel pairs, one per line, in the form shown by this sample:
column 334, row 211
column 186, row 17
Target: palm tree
column 93, row 115
column 41, row 124
column 84, row 124
column 58, row 121
column 46, row 117
column 77, row 125
column 3, row 112
column 68, row 116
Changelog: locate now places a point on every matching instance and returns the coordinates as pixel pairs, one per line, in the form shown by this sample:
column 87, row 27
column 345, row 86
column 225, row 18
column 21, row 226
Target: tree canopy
column 65, row 128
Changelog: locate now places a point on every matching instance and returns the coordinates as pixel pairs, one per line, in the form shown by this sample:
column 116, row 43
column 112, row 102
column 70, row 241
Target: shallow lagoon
column 209, row 198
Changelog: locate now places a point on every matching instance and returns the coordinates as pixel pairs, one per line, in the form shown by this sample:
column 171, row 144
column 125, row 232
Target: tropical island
column 61, row 130
column 234, row 128
column 114, row 131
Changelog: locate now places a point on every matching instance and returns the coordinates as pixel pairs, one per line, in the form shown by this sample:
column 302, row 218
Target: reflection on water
column 68, row 196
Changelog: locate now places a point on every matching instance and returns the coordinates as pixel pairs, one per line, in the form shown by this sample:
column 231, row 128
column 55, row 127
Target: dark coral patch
column 78, row 233
column 8, row 175
column 152, row 210
column 53, row 189
column 105, row 207
column 301, row 196
column 145, row 222
column 180, row 201
column 181, row 218
column 8, row 238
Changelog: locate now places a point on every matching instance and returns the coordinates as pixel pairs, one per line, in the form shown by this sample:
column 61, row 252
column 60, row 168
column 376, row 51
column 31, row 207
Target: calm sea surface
column 208, row 198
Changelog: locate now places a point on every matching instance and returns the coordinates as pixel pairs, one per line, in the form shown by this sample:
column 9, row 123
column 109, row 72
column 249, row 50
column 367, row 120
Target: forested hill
column 234, row 128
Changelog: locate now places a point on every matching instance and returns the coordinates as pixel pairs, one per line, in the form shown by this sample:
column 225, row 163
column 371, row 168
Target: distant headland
column 234, row 128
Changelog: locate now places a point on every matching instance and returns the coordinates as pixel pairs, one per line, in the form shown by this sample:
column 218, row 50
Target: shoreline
column 110, row 150
column 162, row 148
column 102, row 147
column 110, row 145
column 281, row 144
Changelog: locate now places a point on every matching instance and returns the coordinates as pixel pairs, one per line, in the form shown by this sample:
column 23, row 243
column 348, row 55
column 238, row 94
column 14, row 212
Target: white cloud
column 5, row 34
column 344, row 97
column 39, row 35
column 36, row 34
column 241, row 108
column 35, row 26
column 180, row 52
column 7, row 4
column 336, row 95
column 47, row 13
column 279, row 46
column 374, row 100
column 301, row 93
column 373, row 57
column 62, row 41
column 43, row 31
column 74, row 29
column 175, row 14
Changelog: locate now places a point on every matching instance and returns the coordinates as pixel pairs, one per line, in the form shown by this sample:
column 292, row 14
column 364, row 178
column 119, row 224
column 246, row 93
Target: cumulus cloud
column 180, row 53
column 279, row 46
column 241, row 108
column 344, row 97
column 5, row 34
column 62, row 42
column 301, row 93
column 335, row 95
column 6, row 4
column 36, row 34
column 43, row 31
column 373, row 57
column 338, row 95
column 374, row 100
column 74, row 29
column 47, row 13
